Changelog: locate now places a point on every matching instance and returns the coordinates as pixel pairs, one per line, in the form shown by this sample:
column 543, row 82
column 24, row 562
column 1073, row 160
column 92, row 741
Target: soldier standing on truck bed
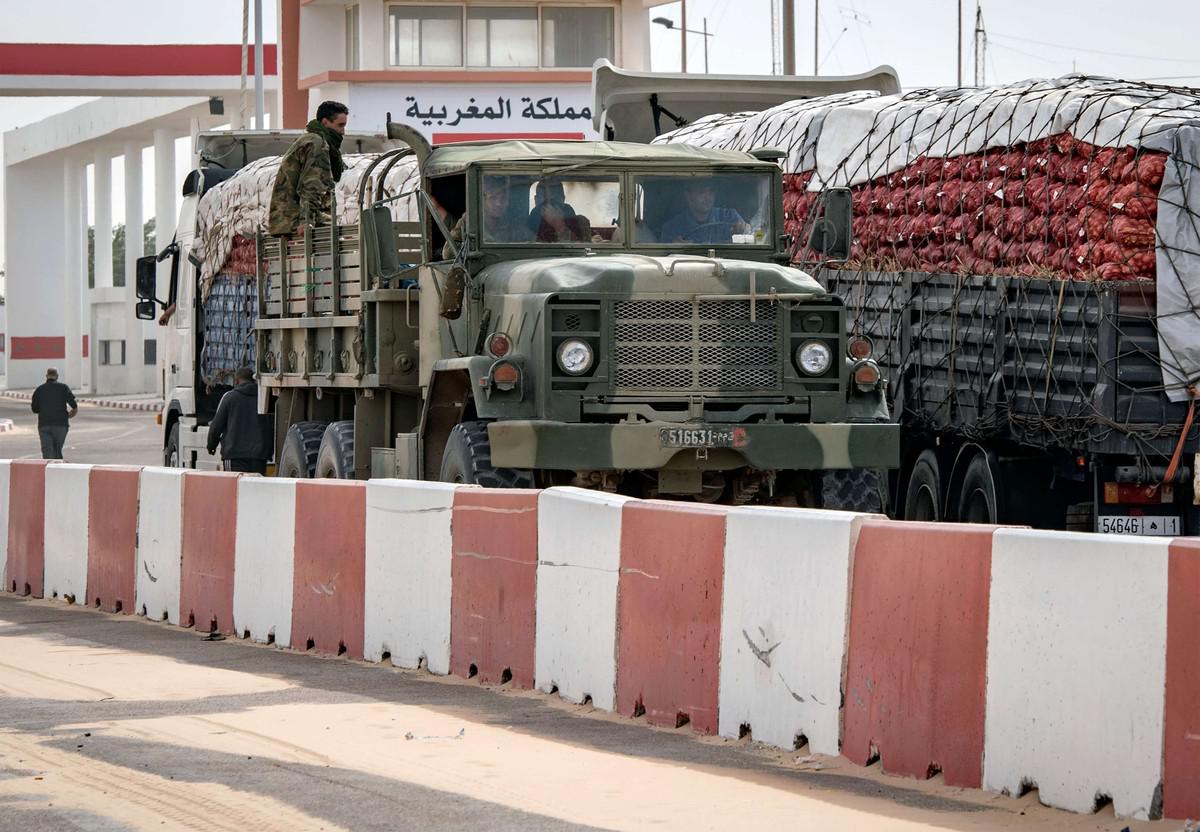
column 303, row 192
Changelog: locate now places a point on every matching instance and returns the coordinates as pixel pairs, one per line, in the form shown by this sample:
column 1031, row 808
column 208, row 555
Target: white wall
column 323, row 39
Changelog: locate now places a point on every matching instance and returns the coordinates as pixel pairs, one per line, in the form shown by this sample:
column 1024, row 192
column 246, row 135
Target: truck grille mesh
column 686, row 346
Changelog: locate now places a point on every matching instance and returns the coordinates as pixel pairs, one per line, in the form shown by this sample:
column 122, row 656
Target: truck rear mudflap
column 649, row 446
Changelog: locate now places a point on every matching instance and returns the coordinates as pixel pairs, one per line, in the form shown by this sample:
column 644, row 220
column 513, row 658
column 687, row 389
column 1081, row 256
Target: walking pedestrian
column 55, row 406
column 238, row 429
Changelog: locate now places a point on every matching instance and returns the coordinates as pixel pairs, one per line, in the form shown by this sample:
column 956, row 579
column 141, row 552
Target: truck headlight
column 575, row 357
column 814, row 357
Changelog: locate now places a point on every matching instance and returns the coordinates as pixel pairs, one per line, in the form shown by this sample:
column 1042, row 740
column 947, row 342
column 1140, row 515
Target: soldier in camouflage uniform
column 303, row 192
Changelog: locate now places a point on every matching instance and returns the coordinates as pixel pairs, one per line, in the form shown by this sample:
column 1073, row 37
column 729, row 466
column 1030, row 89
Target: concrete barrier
column 330, row 550
column 25, row 569
column 263, row 559
column 407, row 576
column 915, row 674
column 209, row 538
column 112, row 537
column 66, row 532
column 1076, row 665
column 1181, row 731
column 783, row 625
column 579, row 560
column 669, row 613
column 493, row 579
column 5, row 468
column 159, row 543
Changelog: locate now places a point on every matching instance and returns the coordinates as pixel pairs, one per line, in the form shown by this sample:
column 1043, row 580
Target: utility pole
column 259, row 94
column 705, row 45
column 980, row 47
column 958, row 65
column 816, row 37
column 789, row 37
column 683, row 36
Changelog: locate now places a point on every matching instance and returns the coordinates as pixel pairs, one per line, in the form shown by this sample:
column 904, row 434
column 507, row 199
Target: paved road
column 115, row 723
column 98, row 435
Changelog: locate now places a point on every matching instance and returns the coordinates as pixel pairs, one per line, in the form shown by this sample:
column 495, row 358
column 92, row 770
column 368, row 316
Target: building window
column 149, row 352
column 529, row 36
column 577, row 37
column 352, row 37
column 502, row 36
column 112, row 353
column 425, row 35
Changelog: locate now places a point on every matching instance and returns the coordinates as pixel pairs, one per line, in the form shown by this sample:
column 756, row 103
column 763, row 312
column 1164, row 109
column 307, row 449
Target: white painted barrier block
column 407, row 586
column 160, row 543
column 579, row 560
column 264, row 559
column 66, row 532
column 5, row 466
column 1076, row 668
column 784, row 615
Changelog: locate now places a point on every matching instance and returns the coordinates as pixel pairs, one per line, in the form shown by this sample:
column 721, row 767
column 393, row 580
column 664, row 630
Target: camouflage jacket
column 303, row 192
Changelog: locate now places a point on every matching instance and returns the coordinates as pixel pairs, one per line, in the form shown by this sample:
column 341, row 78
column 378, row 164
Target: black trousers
column 247, row 466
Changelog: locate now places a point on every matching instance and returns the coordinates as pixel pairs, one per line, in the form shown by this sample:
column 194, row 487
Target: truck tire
column 171, row 457
column 298, row 458
column 923, row 499
column 468, row 460
column 335, row 459
column 979, row 498
column 854, row 489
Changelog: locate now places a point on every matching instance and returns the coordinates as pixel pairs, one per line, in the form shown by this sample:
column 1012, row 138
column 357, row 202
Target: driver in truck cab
column 303, row 192
column 702, row 220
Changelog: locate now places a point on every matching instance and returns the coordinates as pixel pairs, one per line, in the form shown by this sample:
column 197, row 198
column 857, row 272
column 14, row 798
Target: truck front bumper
column 648, row 446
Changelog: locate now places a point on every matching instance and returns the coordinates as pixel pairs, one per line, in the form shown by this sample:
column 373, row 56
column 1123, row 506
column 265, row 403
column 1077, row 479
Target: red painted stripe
column 32, row 348
column 128, row 60
column 1181, row 728
column 454, row 138
column 85, row 346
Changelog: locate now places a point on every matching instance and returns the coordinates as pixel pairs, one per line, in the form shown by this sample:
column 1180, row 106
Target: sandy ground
column 111, row 722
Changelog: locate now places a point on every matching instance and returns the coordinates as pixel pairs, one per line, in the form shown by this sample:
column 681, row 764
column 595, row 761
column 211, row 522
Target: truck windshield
column 580, row 209
column 703, row 209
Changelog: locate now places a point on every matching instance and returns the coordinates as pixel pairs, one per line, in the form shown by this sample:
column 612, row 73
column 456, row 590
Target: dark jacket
column 51, row 402
column 237, row 425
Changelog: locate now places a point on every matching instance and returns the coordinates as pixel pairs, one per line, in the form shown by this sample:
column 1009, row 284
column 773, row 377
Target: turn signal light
column 866, row 374
column 860, row 347
column 505, row 373
column 499, row 345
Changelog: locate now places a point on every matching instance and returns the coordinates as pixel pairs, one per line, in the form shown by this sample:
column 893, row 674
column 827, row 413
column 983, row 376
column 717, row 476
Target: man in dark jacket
column 55, row 405
column 238, row 427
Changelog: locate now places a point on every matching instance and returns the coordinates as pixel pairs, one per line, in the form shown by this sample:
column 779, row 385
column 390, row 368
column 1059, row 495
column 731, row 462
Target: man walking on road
column 55, row 406
column 238, row 427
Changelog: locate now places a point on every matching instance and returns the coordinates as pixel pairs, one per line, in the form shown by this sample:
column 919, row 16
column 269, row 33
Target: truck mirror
column 452, row 294
column 831, row 232
column 146, row 284
column 144, row 310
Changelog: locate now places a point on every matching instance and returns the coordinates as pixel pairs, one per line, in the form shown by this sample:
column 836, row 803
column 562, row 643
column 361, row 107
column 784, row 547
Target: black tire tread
column 309, row 435
column 472, row 437
column 337, row 451
column 854, row 489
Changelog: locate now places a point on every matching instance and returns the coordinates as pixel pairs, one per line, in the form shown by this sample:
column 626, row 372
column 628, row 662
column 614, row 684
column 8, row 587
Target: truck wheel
column 923, row 500
column 979, row 501
column 300, row 447
column 468, row 460
column 335, row 460
column 171, row 452
column 854, row 489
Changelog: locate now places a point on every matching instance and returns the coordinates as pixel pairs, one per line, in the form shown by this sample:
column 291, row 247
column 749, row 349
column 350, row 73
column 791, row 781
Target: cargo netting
column 1027, row 256
column 229, row 313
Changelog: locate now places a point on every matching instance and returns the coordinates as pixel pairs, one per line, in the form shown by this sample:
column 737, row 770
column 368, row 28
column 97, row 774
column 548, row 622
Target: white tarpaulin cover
column 853, row 138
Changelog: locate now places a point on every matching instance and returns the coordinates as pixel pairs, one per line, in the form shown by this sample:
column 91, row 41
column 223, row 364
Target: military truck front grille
column 682, row 346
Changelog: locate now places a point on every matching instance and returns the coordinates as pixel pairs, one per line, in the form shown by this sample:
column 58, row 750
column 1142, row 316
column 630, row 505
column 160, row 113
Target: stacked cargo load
column 1026, row 257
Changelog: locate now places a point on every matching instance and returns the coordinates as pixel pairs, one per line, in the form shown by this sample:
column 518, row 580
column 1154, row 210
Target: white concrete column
column 102, row 182
column 74, row 270
column 164, row 224
column 372, row 19
column 134, row 364
column 85, row 311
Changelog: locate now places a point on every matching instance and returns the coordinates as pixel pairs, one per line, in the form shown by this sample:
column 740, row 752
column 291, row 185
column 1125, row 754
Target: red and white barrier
column 1005, row 658
column 65, row 532
column 579, row 560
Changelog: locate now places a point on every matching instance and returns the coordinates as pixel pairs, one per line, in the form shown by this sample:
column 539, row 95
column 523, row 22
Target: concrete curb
column 115, row 404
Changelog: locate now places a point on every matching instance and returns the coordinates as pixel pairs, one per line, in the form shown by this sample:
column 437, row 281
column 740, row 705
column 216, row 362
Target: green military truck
column 600, row 314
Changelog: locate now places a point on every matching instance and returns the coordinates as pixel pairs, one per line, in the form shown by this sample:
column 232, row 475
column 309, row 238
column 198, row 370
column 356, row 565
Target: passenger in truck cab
column 303, row 192
column 702, row 220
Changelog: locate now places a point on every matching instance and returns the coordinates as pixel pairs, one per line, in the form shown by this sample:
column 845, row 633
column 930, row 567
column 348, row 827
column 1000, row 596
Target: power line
column 1092, row 51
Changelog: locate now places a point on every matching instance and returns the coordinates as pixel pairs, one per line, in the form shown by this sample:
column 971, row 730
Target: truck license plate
column 1168, row 526
column 696, row 438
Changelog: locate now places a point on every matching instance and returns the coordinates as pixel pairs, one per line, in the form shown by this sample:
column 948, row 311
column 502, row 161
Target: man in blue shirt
column 703, row 221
